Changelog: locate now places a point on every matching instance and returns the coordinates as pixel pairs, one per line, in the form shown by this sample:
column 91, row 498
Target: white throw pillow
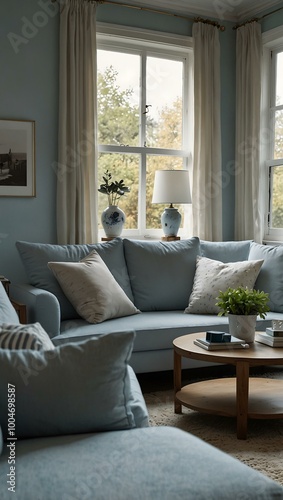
column 212, row 276
column 92, row 289
column 31, row 336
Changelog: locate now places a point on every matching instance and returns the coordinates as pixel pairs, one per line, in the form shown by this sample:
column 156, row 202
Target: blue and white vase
column 113, row 220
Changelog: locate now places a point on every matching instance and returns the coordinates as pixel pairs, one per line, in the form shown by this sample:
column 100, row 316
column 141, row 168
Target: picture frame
column 17, row 158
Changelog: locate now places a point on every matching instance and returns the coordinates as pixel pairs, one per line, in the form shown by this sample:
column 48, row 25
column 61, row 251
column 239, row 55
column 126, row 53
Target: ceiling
column 230, row 10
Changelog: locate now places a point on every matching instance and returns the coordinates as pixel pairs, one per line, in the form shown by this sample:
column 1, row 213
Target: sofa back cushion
column 7, row 311
column 225, row 251
column 270, row 278
column 35, row 257
column 161, row 273
column 75, row 388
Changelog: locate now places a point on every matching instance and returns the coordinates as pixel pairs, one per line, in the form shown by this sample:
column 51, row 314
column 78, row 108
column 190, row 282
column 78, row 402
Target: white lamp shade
column 171, row 186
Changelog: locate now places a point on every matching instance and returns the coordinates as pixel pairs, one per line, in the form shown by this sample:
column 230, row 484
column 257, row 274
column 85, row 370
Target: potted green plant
column 113, row 218
column 242, row 306
column 113, row 189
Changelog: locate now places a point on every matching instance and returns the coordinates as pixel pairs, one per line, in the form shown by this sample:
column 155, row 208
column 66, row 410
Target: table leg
column 242, row 398
column 177, row 380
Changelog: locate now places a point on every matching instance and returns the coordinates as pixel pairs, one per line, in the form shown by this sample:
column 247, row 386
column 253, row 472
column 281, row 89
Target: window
column 144, row 114
column 273, row 144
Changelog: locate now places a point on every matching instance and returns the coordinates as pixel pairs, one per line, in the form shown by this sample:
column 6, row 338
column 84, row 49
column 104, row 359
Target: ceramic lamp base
column 170, row 221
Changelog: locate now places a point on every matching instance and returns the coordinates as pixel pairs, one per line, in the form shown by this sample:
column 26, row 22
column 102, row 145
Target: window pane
column 154, row 211
column 277, row 197
column 118, row 98
column 279, row 79
column 126, row 167
column 278, row 132
column 165, row 100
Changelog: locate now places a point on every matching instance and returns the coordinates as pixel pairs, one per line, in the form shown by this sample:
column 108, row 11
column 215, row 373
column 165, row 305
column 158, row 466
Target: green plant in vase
column 113, row 218
column 242, row 306
column 243, row 301
column 113, row 189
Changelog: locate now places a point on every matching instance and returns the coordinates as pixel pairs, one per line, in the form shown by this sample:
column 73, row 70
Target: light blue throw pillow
column 35, row 257
column 75, row 388
column 270, row 278
column 7, row 311
column 225, row 251
column 161, row 273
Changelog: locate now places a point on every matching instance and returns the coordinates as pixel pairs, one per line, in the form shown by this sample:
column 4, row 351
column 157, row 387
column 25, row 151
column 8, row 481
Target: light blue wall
column 29, row 90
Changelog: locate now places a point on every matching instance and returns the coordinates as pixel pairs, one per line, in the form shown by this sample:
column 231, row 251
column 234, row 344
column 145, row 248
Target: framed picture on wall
column 17, row 158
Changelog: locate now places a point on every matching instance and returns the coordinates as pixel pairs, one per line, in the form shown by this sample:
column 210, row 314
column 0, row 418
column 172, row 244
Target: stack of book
column 234, row 343
column 271, row 337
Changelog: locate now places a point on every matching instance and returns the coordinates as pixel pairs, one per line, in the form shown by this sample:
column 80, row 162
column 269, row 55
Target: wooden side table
column 170, row 238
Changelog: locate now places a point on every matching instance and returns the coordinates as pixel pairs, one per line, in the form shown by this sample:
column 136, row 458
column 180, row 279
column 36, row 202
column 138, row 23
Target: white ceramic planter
column 242, row 327
column 113, row 220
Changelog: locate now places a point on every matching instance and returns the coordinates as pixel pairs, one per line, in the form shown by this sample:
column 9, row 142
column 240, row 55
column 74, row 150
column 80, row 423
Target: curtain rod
column 155, row 11
column 149, row 9
column 256, row 19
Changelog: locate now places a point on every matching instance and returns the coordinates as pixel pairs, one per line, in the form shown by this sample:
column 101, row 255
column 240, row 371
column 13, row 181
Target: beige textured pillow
column 92, row 289
column 211, row 276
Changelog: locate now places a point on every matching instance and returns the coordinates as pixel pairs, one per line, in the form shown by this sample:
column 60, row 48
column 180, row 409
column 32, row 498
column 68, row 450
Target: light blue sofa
column 58, row 456
column 157, row 276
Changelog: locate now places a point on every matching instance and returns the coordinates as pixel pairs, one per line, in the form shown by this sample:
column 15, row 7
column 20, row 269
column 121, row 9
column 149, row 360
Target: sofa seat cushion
column 75, row 388
column 35, row 257
column 161, row 273
column 92, row 289
column 154, row 329
column 157, row 463
column 270, row 278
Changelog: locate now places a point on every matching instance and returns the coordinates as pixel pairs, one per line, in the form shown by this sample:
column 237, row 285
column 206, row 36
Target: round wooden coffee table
column 242, row 397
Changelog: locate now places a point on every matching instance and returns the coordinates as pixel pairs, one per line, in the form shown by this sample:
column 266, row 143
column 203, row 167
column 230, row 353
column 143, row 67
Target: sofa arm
column 42, row 306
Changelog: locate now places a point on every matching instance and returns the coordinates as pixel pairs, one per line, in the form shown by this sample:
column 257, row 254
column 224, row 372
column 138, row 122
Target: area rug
column 263, row 449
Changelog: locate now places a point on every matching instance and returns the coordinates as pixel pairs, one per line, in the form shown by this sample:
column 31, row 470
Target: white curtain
column 207, row 174
column 248, row 99
column 77, row 148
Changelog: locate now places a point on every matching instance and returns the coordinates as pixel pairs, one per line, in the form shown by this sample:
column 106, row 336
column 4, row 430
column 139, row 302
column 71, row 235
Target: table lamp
column 171, row 186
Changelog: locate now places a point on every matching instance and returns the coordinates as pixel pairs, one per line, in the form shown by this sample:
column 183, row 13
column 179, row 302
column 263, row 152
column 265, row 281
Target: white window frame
column 272, row 43
column 157, row 44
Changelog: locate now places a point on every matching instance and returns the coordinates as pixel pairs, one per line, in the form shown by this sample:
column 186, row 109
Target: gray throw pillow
column 75, row 388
